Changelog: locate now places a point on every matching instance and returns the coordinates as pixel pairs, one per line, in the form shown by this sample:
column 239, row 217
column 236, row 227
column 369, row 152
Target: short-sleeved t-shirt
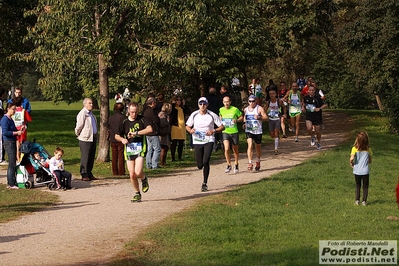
column 311, row 103
column 202, row 123
column 137, row 145
column 228, row 115
column 361, row 162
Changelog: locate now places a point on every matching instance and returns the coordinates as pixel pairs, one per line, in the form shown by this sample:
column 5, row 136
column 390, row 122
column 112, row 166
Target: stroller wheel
column 51, row 186
column 28, row 185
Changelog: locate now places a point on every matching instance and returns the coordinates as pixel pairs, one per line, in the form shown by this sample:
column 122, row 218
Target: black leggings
column 179, row 149
column 359, row 179
column 202, row 156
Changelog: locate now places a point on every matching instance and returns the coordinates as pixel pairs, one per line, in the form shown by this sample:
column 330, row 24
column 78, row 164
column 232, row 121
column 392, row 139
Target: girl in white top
column 56, row 165
column 201, row 124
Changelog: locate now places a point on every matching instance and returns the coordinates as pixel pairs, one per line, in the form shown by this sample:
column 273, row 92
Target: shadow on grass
column 25, row 207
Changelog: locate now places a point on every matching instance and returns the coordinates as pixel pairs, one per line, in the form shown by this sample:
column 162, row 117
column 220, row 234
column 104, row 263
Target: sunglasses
column 202, row 103
column 251, row 101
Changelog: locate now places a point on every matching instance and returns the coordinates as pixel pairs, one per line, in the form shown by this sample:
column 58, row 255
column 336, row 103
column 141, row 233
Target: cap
column 202, row 99
column 252, row 97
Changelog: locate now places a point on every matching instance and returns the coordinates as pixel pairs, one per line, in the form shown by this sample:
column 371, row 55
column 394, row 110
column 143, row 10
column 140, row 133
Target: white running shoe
column 235, row 171
column 228, row 169
column 312, row 141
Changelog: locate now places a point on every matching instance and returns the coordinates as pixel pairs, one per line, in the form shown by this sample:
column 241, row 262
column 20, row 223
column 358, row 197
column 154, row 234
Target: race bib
column 228, row 122
column 134, row 148
column 273, row 114
column 294, row 109
column 310, row 107
column 201, row 137
column 252, row 125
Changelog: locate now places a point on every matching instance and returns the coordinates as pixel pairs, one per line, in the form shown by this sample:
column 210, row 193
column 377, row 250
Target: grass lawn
column 280, row 220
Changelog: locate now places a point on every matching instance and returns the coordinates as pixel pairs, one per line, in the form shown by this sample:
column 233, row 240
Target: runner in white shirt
column 201, row 125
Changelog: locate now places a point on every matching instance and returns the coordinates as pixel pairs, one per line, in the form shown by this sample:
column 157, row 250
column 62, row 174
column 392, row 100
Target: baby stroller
column 30, row 166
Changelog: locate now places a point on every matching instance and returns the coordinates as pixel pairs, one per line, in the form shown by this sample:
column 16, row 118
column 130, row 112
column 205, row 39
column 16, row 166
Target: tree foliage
column 83, row 46
column 95, row 48
column 369, row 40
column 12, row 29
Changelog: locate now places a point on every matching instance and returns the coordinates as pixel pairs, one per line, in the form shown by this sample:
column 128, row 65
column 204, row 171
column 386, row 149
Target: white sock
column 276, row 140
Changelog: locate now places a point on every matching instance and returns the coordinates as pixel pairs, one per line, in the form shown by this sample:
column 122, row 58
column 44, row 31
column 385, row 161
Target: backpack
column 164, row 126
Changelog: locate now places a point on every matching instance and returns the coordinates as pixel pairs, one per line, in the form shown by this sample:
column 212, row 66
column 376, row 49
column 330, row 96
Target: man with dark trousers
column 86, row 132
column 117, row 148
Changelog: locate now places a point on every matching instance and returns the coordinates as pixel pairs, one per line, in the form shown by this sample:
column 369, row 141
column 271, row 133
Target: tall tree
column 85, row 45
column 370, row 39
column 13, row 26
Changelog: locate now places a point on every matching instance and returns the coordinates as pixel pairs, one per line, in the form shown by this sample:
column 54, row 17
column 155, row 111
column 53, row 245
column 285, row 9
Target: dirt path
column 97, row 219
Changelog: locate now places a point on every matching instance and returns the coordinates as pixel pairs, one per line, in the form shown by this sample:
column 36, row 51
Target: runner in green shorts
column 293, row 97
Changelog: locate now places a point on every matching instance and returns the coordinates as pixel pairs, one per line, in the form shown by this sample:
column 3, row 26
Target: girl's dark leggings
column 359, row 180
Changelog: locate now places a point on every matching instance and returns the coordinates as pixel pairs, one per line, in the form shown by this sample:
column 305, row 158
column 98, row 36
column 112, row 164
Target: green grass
column 14, row 203
column 280, row 220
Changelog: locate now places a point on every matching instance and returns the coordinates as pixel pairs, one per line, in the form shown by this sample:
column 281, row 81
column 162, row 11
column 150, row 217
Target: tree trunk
column 378, row 99
column 103, row 146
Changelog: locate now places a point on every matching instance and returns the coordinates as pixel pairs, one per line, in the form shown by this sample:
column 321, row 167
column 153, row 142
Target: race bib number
column 252, row 125
column 134, row 148
column 273, row 114
column 228, row 122
column 294, row 109
column 310, row 107
column 201, row 137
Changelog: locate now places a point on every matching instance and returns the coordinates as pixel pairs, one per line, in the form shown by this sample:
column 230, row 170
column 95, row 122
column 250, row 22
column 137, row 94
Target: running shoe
column 250, row 166
column 357, row 202
column 236, row 169
column 312, row 141
column 145, row 185
column 136, row 198
column 284, row 136
column 318, row 145
column 296, row 139
column 257, row 167
column 12, row 187
column 364, row 203
column 275, row 152
column 290, row 128
column 204, row 187
column 228, row 169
